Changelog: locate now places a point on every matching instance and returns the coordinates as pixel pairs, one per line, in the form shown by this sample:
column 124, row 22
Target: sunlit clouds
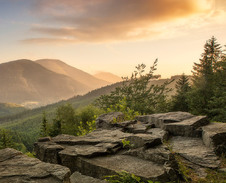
column 111, row 35
column 97, row 21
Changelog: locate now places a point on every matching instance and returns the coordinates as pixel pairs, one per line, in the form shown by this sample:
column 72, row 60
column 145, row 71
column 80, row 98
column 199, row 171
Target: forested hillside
column 142, row 93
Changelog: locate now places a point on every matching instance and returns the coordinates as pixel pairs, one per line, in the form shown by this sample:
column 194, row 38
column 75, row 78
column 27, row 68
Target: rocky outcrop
column 195, row 151
column 16, row 167
column 137, row 146
column 214, row 136
column 106, row 121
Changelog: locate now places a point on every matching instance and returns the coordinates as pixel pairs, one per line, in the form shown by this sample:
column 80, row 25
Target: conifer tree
column 204, row 77
column 44, row 131
column 217, row 107
column 56, row 128
column 5, row 139
column 66, row 119
column 179, row 100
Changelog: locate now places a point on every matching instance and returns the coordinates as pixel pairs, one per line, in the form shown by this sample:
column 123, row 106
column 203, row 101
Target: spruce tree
column 204, row 77
column 56, row 128
column 217, row 107
column 5, row 139
column 179, row 100
column 44, row 132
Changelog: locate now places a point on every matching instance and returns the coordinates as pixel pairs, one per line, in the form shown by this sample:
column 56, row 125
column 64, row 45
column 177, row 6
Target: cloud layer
column 75, row 21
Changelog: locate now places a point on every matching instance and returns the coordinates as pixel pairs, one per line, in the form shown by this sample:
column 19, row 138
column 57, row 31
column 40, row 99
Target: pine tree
column 204, row 77
column 5, row 139
column 44, row 131
column 65, row 117
column 179, row 100
column 217, row 107
column 56, row 128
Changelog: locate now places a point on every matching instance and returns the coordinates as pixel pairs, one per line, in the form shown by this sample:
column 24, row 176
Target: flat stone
column 136, row 128
column 159, row 154
column 93, row 138
column 195, row 151
column 159, row 133
column 106, row 121
column 16, row 167
column 143, row 118
column 143, row 140
column 47, row 151
column 100, row 167
column 187, row 127
column 65, row 149
column 214, row 136
column 171, row 117
column 77, row 177
column 44, row 139
column 89, row 150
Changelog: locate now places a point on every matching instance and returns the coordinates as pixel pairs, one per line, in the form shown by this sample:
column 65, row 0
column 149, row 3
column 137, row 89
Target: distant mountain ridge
column 107, row 76
column 29, row 83
column 10, row 109
column 78, row 75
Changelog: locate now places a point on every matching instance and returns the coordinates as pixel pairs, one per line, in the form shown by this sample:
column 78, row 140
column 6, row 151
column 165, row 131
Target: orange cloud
column 111, row 20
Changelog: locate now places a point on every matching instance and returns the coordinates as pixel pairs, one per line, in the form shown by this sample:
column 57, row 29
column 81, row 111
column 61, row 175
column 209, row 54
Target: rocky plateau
column 145, row 147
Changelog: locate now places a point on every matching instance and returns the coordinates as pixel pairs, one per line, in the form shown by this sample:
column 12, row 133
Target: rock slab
column 214, row 136
column 16, row 167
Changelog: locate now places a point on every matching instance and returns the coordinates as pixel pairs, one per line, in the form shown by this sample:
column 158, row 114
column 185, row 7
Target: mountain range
column 107, row 76
column 41, row 82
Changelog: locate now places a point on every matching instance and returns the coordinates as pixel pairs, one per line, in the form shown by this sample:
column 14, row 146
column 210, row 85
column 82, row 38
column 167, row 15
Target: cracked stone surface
column 16, row 167
column 101, row 152
column 194, row 150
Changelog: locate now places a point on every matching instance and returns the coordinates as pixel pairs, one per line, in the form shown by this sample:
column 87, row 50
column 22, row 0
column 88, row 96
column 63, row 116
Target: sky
column 111, row 35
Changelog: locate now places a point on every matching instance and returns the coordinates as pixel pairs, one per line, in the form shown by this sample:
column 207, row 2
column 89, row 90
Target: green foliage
column 9, row 109
column 126, row 143
column 66, row 115
column 31, row 155
column 55, row 128
column 140, row 95
column 217, row 107
column 209, row 82
column 180, row 99
column 129, row 114
column 125, row 177
column 27, row 124
column 6, row 139
column 87, row 127
column 74, row 122
column 44, row 130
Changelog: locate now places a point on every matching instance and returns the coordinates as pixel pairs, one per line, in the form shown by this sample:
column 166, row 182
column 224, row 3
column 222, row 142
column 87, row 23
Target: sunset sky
column 111, row 35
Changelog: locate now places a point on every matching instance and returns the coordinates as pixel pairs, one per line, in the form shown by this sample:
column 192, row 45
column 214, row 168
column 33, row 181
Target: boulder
column 159, row 154
column 87, row 154
column 187, row 127
column 47, row 151
column 143, row 140
column 214, row 136
column 16, row 167
column 195, row 151
column 159, row 133
column 101, row 152
column 105, row 121
column 159, row 120
column 99, row 167
column 93, row 138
